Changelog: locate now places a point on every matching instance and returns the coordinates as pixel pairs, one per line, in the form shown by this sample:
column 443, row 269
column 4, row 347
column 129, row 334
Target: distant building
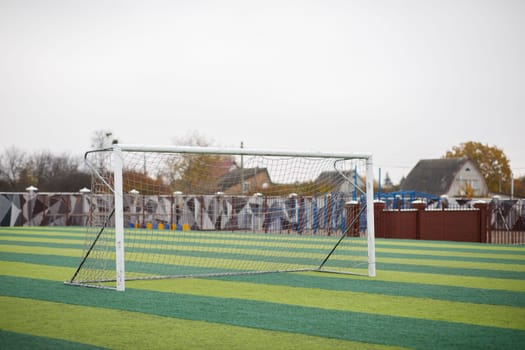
column 244, row 181
column 387, row 183
column 453, row 177
column 345, row 181
column 223, row 166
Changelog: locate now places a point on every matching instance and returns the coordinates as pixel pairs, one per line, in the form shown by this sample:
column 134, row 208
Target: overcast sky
column 403, row 80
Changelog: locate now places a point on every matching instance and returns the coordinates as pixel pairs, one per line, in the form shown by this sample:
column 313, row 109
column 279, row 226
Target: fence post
column 379, row 206
column 30, row 203
column 484, row 225
column 45, row 201
column 420, row 206
column 68, row 209
column 86, row 207
column 352, row 209
column 329, row 213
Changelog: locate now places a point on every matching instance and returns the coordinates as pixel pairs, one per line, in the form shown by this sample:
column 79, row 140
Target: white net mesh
column 211, row 214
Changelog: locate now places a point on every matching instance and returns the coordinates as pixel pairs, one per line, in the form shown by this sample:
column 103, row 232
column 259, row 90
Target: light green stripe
column 41, row 250
column 454, row 253
column 34, row 229
column 103, row 327
column 447, row 245
column 448, row 280
column 63, row 234
column 477, row 314
column 36, row 271
column 454, row 264
column 40, row 240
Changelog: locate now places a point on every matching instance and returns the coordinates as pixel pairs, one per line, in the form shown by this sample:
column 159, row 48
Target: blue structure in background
column 403, row 199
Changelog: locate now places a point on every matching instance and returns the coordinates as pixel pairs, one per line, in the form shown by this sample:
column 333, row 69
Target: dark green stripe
column 12, row 340
column 400, row 331
column 51, row 260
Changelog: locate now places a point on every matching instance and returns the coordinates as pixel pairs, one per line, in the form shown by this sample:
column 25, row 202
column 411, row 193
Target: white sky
column 403, row 80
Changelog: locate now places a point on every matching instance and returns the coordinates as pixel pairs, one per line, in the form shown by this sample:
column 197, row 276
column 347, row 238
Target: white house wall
column 473, row 177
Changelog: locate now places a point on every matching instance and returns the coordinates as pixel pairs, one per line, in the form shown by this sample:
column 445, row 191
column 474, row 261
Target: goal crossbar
column 231, row 151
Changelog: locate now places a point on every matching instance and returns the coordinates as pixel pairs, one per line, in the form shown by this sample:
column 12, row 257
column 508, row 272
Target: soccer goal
column 168, row 211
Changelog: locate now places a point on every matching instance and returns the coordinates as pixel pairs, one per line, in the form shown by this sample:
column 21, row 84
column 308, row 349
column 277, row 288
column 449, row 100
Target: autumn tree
column 490, row 160
column 196, row 173
column 139, row 181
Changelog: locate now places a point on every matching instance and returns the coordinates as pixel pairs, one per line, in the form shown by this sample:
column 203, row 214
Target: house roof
column 233, row 177
column 433, row 176
column 336, row 177
column 222, row 167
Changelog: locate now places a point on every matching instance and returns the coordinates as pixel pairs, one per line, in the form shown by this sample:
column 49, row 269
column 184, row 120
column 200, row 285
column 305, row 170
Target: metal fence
column 318, row 214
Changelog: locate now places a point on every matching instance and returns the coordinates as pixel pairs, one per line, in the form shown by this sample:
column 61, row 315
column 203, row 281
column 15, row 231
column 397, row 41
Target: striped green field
column 426, row 295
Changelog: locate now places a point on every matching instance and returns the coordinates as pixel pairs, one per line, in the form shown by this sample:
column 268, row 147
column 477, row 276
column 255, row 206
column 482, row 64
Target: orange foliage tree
column 491, row 161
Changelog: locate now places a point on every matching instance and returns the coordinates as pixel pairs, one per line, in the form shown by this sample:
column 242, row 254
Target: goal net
column 166, row 212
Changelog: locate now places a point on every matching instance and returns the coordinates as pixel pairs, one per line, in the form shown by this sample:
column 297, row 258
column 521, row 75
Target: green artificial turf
column 343, row 325
column 426, row 295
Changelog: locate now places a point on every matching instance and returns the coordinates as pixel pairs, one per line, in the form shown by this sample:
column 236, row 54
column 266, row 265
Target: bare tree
column 44, row 170
column 102, row 139
column 13, row 166
column 58, row 173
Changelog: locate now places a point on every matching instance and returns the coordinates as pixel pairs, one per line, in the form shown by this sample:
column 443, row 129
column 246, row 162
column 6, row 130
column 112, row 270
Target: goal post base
column 88, row 285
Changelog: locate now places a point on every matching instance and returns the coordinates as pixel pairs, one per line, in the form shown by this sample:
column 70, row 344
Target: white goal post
column 171, row 211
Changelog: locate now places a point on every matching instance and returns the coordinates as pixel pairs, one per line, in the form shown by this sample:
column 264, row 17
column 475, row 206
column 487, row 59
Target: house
column 244, row 181
column 222, row 166
column 344, row 181
column 453, row 177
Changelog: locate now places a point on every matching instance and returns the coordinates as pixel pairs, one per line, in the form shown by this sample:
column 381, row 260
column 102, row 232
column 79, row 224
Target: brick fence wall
column 461, row 225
